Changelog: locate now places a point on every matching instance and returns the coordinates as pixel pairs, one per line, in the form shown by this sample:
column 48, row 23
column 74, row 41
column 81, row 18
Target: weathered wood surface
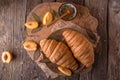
column 99, row 10
column 114, row 40
column 107, row 60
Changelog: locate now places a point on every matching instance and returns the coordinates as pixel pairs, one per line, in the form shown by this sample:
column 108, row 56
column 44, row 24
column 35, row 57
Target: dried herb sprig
column 25, row 32
column 55, row 78
column 45, row 60
column 36, row 18
column 91, row 35
column 37, row 29
column 54, row 36
column 55, row 13
column 36, row 54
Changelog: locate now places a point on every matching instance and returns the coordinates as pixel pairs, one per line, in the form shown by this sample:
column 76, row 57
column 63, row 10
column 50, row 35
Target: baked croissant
column 82, row 49
column 58, row 53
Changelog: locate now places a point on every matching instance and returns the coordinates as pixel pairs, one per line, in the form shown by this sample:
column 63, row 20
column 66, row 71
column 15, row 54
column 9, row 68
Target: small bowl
column 62, row 10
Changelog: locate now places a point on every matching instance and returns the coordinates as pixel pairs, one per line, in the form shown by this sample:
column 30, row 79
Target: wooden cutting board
column 83, row 22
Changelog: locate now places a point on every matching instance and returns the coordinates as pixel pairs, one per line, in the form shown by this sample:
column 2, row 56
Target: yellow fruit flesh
column 31, row 24
column 65, row 71
column 47, row 19
column 30, row 46
column 6, row 57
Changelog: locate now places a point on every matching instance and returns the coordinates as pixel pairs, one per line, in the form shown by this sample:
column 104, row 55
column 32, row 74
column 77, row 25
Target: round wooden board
column 82, row 22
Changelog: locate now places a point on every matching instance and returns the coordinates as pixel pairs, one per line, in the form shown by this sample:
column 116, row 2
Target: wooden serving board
column 83, row 22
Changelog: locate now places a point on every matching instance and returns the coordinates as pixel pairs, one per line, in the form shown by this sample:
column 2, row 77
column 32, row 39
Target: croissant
column 58, row 53
column 80, row 46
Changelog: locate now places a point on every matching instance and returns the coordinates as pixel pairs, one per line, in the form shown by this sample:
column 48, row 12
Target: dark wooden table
column 107, row 59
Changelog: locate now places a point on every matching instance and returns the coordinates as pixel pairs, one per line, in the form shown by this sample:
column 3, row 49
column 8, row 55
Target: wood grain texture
column 99, row 10
column 22, row 67
column 114, row 40
column 6, row 37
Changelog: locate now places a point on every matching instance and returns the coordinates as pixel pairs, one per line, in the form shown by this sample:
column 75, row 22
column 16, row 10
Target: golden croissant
column 82, row 48
column 58, row 53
